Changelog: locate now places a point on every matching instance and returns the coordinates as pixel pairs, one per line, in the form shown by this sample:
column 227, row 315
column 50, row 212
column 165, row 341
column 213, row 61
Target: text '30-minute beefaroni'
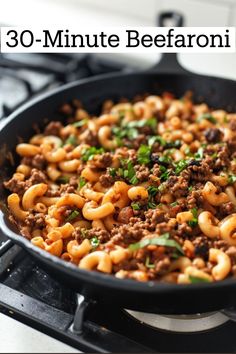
column 118, row 39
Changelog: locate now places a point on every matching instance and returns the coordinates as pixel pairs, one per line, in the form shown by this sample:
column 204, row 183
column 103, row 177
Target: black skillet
column 168, row 75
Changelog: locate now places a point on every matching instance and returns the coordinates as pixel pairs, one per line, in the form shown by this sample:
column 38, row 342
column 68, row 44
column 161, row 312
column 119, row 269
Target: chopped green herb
column 199, row 154
column 152, row 190
column 231, row 179
column 225, row 119
column 187, row 151
column 94, row 242
column 112, row 172
column 136, row 206
column 156, row 139
column 194, row 221
column 88, row 154
column 72, row 140
column 151, row 205
column 82, row 182
column 190, row 188
column 180, row 166
column 162, row 240
column 208, row 117
column 73, row 215
column 165, row 175
column 148, row 264
column 144, row 153
column 63, row 179
column 127, row 171
column 80, row 123
column 166, row 160
column 195, row 280
column 174, row 204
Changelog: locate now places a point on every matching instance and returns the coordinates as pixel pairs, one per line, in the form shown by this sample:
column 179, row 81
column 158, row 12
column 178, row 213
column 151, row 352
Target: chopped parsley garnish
column 190, row 188
column 199, row 154
column 63, row 179
column 195, row 280
column 162, row 240
column 80, row 123
column 148, row 264
column 208, row 117
column 180, row 166
column 231, row 179
column 136, row 206
column 165, row 175
column 82, row 182
column 72, row 140
column 127, row 171
column 156, row 139
column 152, row 191
column 174, row 204
column 94, row 242
column 130, row 130
column 73, row 215
column 88, row 154
column 112, row 172
column 144, row 153
column 194, row 221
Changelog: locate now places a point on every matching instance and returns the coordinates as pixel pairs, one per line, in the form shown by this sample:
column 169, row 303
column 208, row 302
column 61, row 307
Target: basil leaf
column 162, row 240
column 73, row 215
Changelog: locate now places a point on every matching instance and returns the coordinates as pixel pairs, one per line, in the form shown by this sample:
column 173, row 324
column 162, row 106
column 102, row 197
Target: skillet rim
column 93, row 277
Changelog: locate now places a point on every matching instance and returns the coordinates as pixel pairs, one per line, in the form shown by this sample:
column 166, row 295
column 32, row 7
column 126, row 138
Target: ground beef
column 202, row 245
column 213, row 135
column 221, row 245
column 184, row 230
column 90, row 138
column 142, row 172
column 67, row 188
column 125, row 215
column 225, row 209
column 162, row 266
column 222, row 158
column 194, row 199
column 38, row 161
column 198, row 173
column 101, row 161
column 126, row 234
column 102, row 235
column 177, row 186
column 35, row 220
column 53, row 128
column 15, row 186
column 106, row 180
column 156, row 170
column 154, row 217
column 37, row 177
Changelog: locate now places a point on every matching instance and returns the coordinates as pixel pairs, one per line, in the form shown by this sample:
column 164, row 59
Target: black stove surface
column 30, row 295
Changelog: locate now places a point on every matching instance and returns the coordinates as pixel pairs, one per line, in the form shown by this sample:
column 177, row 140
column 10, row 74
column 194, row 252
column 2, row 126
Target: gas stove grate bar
column 5, row 247
column 58, row 324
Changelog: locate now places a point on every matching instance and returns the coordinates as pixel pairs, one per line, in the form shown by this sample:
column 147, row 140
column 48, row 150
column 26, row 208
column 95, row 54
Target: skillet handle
column 169, row 61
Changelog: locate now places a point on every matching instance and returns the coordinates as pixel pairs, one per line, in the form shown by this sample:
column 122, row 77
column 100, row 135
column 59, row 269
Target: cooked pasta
column 145, row 190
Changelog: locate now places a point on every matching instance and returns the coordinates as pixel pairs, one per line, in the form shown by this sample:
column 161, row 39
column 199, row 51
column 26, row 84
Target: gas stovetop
column 30, row 295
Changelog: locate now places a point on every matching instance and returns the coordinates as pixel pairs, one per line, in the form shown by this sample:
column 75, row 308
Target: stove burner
column 181, row 323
